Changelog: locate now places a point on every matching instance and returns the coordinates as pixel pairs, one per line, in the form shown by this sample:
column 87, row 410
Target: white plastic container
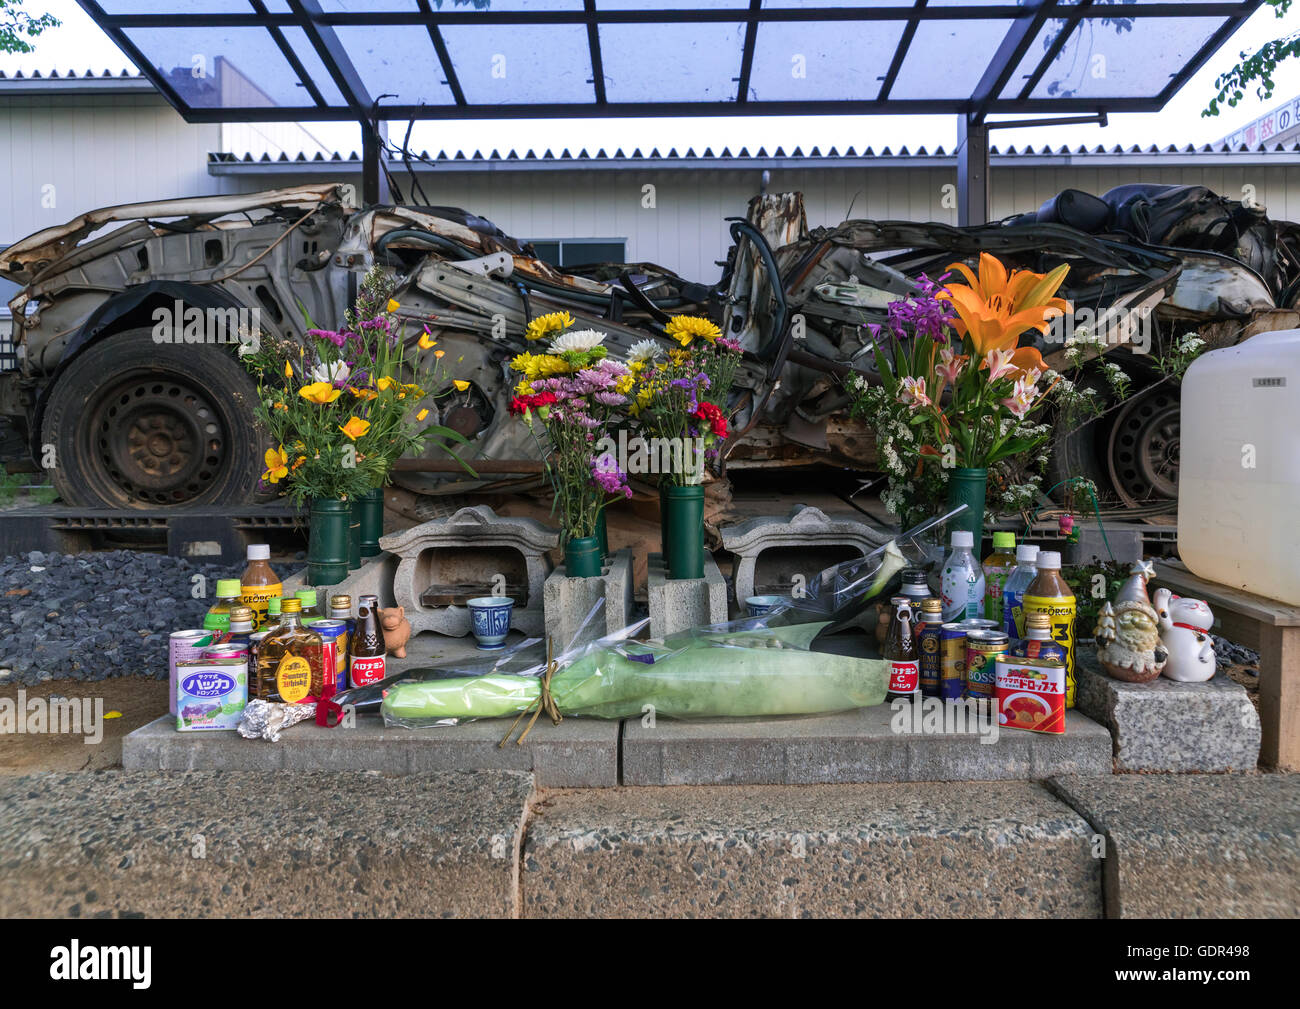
column 1239, row 472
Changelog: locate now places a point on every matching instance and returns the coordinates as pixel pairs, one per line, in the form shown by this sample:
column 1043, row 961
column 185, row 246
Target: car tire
column 139, row 424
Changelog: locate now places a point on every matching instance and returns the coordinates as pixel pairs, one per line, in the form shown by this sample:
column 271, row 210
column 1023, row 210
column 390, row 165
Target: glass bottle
column 367, row 653
column 341, row 609
column 289, row 660
column 900, row 652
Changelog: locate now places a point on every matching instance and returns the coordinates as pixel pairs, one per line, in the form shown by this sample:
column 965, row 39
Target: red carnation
column 710, row 413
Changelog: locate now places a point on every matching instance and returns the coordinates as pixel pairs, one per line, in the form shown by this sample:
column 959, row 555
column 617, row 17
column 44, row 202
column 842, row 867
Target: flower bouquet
column 570, row 395
column 341, row 411
column 957, row 393
column 680, row 406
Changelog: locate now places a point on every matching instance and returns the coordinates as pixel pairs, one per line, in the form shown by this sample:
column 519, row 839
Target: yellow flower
column 288, row 370
column 422, row 414
column 355, row 427
column 385, row 384
column 413, row 389
column 460, row 384
column 545, row 325
column 679, row 357
column 392, row 305
column 320, row 393
column 363, row 393
column 427, row 342
column 298, row 462
column 277, row 465
column 440, row 354
column 685, row 328
column 624, row 385
column 524, row 388
column 280, row 406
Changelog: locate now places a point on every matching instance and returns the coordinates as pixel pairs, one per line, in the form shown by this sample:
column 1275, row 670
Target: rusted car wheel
column 138, row 424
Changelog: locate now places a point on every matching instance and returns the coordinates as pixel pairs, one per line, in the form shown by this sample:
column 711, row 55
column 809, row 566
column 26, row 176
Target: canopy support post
column 972, row 172
column 374, row 180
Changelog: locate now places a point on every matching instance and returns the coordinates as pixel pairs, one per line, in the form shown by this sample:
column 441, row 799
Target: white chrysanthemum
column 644, row 351
column 578, row 340
column 334, row 371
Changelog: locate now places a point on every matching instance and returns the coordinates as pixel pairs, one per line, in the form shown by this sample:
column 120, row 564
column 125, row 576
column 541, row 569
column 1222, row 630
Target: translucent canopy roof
column 249, row 60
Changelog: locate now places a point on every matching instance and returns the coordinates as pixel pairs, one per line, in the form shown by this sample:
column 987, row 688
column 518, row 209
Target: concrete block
column 677, row 604
column 852, row 746
column 329, row 843
column 569, row 601
column 1003, row 849
column 1195, row 846
column 373, row 578
column 577, row 753
column 804, row 543
column 1169, row 726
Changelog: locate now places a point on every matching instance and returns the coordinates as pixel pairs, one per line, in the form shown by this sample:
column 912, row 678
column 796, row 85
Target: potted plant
column 957, row 395
column 341, row 411
column 680, row 404
column 569, row 396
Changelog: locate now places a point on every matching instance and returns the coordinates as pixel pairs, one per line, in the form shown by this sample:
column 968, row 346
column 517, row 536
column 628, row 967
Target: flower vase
column 582, row 557
column 602, row 533
column 372, row 521
column 663, row 521
column 967, row 486
column 327, row 546
column 684, row 526
column 354, row 535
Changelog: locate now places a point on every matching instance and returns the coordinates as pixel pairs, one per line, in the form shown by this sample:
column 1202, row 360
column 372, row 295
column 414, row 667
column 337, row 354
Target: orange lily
column 997, row 307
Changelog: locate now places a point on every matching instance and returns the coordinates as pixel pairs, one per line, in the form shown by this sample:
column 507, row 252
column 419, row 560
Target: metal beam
column 972, row 172
column 746, row 55
column 444, row 56
column 374, row 179
column 593, row 50
column 1024, row 29
column 900, row 54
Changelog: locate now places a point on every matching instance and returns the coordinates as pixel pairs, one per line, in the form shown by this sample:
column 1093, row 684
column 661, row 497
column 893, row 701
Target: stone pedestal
column 802, row 545
column 1169, row 726
column 474, row 547
column 677, row 604
column 569, row 601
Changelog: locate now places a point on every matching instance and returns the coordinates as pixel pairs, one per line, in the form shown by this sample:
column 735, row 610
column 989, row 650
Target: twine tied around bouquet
column 545, row 702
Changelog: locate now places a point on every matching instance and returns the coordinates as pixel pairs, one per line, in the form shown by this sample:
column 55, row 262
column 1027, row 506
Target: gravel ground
column 1228, row 655
column 99, row 615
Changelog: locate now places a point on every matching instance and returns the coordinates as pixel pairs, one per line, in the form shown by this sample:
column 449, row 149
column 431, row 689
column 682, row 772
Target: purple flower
column 378, row 322
column 609, row 398
column 607, row 476
column 338, row 339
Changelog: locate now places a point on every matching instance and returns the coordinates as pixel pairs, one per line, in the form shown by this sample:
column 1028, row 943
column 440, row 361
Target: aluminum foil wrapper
column 266, row 719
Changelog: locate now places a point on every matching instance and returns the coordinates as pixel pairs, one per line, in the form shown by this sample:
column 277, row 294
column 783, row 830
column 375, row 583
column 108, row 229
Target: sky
column 79, row 45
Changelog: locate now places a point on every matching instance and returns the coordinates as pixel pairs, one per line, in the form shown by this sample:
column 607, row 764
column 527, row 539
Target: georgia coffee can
column 184, row 646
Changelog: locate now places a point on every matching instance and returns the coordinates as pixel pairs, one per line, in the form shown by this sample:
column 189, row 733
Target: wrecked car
column 128, row 391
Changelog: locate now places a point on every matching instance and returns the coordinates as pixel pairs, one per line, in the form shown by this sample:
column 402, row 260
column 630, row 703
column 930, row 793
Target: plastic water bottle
column 962, row 581
column 1013, row 617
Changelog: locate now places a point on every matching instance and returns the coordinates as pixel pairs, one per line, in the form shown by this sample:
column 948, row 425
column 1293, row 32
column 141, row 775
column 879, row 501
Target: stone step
column 853, row 746
column 577, row 753
column 313, row 844
column 1001, row 849
column 1194, row 846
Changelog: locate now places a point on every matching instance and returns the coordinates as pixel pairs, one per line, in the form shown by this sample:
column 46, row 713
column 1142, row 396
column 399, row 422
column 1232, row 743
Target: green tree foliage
column 15, row 23
column 1255, row 68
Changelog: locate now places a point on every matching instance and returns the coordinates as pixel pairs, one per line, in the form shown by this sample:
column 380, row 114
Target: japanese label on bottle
column 1061, row 610
column 366, row 670
column 257, row 597
column 293, row 679
column 904, row 675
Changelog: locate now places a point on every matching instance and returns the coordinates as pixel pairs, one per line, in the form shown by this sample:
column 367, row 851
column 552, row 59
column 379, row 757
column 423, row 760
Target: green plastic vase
column 327, row 546
column 684, row 553
column 663, row 521
column 967, row 486
column 602, row 533
column 354, row 535
column 582, row 557
column 372, row 521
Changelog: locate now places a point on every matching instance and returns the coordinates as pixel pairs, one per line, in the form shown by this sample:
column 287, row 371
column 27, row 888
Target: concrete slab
column 335, row 843
column 1002, row 849
column 1195, row 846
column 1169, row 726
column 577, row 753
column 854, row 746
column 678, row 604
column 373, row 578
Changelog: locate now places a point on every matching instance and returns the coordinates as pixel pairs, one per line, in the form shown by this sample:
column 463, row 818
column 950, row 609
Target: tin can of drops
column 1031, row 693
column 184, row 646
column 952, row 661
column 983, row 649
column 333, row 635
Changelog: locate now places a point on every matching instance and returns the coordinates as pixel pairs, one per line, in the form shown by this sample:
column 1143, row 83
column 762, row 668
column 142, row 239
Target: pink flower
column 1021, row 399
column 913, row 393
column 950, row 365
column 998, row 362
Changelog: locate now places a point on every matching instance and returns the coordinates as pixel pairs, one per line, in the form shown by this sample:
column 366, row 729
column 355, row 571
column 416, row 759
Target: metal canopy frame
column 992, row 95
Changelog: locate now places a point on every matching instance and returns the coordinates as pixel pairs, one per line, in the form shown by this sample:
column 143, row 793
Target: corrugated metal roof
column 71, row 82
column 760, row 157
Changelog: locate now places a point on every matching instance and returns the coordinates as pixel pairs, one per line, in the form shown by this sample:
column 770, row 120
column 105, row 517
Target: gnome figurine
column 1128, row 633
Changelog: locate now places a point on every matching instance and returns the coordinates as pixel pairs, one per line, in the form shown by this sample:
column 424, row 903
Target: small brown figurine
column 397, row 630
column 1128, row 633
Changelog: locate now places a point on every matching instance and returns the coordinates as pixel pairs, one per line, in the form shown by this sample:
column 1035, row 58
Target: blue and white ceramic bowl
column 758, row 605
column 490, row 619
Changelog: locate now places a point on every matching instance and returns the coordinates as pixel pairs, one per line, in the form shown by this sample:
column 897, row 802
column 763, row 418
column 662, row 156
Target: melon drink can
column 183, row 646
